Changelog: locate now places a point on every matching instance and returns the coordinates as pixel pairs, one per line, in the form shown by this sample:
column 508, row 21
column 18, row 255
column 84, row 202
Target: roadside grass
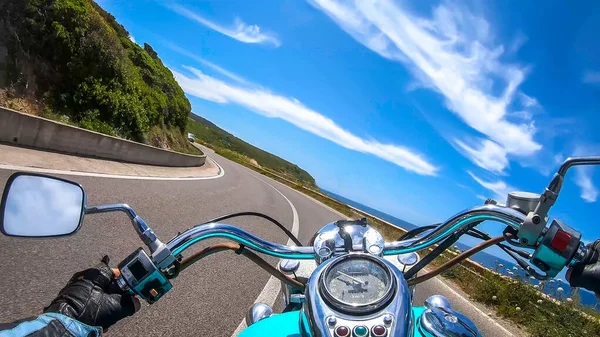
column 517, row 300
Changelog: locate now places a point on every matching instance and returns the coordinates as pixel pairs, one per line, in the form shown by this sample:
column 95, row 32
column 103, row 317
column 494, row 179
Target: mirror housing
column 36, row 205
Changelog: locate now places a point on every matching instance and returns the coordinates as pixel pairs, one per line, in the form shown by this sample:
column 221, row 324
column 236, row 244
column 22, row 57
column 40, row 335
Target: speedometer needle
column 353, row 279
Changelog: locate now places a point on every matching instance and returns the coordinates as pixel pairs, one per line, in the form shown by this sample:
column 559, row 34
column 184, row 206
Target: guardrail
column 31, row 131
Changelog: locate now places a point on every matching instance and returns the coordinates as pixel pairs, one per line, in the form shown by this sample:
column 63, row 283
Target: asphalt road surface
column 208, row 299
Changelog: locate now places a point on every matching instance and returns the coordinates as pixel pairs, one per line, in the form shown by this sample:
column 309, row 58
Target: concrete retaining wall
column 40, row 133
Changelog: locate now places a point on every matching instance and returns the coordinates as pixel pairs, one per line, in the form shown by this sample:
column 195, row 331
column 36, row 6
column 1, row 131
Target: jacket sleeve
column 49, row 325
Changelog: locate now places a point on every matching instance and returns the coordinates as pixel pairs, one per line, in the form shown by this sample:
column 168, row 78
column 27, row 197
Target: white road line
column 440, row 282
column 104, row 175
column 271, row 290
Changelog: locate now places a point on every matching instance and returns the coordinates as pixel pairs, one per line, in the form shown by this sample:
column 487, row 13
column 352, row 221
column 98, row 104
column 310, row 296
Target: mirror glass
column 41, row 206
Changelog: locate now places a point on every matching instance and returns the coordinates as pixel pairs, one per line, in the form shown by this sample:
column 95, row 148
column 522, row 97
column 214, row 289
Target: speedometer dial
column 357, row 284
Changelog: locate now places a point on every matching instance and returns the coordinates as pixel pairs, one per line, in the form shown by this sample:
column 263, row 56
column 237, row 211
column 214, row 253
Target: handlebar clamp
column 557, row 248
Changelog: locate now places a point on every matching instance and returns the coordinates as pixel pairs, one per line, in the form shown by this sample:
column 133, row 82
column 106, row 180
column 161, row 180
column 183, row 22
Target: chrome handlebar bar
column 504, row 215
column 212, row 230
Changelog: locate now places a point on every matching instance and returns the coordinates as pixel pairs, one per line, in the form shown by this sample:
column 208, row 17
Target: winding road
column 209, row 299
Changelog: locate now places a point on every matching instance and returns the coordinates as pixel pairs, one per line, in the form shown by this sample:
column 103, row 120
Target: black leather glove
column 586, row 274
column 93, row 298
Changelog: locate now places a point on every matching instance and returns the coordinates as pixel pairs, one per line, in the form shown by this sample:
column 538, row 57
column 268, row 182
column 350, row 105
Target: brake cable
column 459, row 258
column 416, row 231
column 438, row 250
column 471, row 231
column 261, row 215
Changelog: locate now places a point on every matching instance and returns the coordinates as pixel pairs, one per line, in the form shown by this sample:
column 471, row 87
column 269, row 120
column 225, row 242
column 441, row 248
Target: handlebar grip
column 592, row 254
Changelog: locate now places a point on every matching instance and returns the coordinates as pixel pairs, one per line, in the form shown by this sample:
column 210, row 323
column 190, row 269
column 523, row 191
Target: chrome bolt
column 387, row 319
column 331, row 320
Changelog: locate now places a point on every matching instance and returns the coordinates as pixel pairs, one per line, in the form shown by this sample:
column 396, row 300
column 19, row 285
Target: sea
column 508, row 268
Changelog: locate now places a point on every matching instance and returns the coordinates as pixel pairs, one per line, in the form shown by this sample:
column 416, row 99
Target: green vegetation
column 74, row 62
column 518, row 301
column 238, row 150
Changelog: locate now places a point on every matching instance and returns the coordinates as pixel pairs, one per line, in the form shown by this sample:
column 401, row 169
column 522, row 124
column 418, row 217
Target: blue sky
column 419, row 109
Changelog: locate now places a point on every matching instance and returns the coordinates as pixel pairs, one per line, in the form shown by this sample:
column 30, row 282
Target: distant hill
column 213, row 136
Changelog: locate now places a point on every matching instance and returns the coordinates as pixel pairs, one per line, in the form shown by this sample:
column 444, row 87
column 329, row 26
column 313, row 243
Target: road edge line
column 271, row 290
column 498, row 325
column 111, row 176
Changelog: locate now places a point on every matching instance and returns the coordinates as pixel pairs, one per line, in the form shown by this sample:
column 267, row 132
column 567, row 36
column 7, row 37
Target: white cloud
column 208, row 64
column 559, row 158
column 583, row 179
column 132, row 38
column 591, row 77
column 583, row 174
column 239, row 31
column 500, row 188
column 271, row 105
column 489, row 155
column 451, row 53
column 527, row 101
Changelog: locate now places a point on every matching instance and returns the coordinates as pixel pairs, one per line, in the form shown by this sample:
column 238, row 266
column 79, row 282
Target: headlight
column 357, row 285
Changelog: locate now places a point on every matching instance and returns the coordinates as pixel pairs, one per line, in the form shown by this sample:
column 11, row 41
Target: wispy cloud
column 499, row 188
column 206, row 63
column 239, row 30
column 583, row 179
column 583, row 174
column 271, row 105
column 452, row 53
column 591, row 77
column 528, row 101
column 131, row 38
column 488, row 154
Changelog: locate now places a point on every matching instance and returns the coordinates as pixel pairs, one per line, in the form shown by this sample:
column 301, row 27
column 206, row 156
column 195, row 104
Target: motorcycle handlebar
column 459, row 222
column 214, row 230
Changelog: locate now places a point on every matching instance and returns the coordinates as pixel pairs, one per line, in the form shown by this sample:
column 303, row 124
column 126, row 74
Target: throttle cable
column 261, row 215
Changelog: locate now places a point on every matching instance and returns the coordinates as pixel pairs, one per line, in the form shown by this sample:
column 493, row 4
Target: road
column 209, row 299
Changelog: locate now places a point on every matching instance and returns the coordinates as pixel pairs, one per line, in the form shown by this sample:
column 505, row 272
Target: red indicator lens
column 378, row 330
column 342, row 331
column 560, row 241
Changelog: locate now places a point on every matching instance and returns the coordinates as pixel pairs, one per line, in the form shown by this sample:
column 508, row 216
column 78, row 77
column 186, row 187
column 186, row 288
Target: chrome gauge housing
column 386, row 307
column 357, row 284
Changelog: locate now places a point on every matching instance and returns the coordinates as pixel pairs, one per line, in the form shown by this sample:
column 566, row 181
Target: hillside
column 70, row 60
column 223, row 142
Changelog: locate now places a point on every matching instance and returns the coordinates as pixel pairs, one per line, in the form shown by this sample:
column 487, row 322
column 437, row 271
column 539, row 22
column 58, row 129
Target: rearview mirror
column 35, row 205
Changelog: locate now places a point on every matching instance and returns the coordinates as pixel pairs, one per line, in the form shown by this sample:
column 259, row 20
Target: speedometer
column 357, row 284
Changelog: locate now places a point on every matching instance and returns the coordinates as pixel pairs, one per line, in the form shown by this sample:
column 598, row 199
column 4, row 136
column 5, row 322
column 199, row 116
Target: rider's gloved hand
column 586, row 274
column 93, row 298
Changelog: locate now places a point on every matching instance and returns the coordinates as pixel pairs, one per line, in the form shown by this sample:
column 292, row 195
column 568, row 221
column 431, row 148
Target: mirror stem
column 140, row 226
column 535, row 222
column 161, row 254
